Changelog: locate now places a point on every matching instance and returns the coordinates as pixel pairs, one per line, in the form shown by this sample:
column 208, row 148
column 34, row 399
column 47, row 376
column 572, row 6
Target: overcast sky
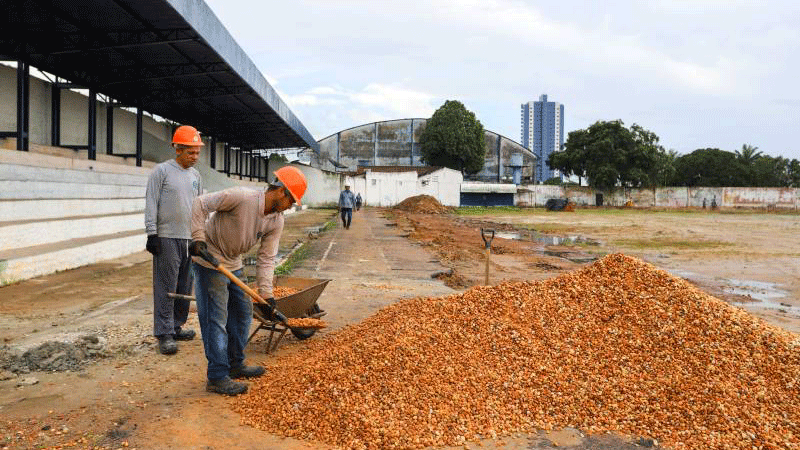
column 698, row 73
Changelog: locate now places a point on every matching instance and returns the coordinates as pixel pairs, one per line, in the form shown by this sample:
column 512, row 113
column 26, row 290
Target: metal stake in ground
column 488, row 244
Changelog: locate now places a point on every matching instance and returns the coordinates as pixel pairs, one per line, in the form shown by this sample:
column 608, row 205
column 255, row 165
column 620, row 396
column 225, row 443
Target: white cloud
column 597, row 49
column 655, row 63
column 373, row 102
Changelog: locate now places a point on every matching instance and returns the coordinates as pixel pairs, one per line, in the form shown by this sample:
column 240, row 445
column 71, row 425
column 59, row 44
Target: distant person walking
column 171, row 189
column 358, row 201
column 346, row 203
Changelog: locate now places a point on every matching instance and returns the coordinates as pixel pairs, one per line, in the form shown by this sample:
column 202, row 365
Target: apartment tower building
column 542, row 126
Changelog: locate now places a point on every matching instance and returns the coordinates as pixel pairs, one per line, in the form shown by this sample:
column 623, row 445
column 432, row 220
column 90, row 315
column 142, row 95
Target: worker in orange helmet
column 171, row 188
column 242, row 218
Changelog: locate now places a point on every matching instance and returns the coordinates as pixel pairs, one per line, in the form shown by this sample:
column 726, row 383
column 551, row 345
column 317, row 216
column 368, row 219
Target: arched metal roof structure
column 173, row 58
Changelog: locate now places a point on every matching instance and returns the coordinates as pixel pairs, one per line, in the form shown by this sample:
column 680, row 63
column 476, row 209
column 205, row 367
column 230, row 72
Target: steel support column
column 226, row 159
column 212, row 154
column 23, row 105
column 55, row 115
column 109, row 128
column 91, row 143
column 239, row 162
column 139, row 117
column 499, row 160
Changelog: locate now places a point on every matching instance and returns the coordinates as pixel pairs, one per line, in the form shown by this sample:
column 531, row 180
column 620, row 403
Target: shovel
column 209, row 258
column 488, row 243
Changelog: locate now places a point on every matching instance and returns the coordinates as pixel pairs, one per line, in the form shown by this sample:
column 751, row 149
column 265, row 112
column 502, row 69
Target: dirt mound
column 618, row 345
column 423, row 204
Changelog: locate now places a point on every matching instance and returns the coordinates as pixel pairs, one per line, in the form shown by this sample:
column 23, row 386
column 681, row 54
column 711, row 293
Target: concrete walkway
column 371, row 265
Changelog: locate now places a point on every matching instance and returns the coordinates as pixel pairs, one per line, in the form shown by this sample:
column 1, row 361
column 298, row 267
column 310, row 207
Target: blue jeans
column 347, row 216
column 225, row 316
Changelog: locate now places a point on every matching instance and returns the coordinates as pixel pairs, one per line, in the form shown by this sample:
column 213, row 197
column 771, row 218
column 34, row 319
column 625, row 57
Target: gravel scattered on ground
column 616, row 346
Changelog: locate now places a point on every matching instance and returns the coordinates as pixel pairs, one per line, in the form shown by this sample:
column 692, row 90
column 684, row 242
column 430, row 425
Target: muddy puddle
column 747, row 294
column 546, row 241
column 764, row 295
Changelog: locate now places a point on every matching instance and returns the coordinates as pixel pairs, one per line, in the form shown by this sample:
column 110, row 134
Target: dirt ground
column 129, row 396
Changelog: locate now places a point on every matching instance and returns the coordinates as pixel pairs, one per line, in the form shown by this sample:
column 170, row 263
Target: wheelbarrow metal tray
column 301, row 303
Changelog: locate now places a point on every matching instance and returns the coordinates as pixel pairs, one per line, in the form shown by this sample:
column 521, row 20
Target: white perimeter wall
column 665, row 197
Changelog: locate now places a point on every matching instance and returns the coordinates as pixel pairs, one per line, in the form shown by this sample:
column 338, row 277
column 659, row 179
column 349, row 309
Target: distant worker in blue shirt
column 347, row 201
column 358, row 202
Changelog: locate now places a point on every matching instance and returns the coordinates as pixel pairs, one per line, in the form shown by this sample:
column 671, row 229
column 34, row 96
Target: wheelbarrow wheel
column 306, row 333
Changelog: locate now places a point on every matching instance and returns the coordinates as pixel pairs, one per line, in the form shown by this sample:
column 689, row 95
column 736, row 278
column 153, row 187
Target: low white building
column 388, row 186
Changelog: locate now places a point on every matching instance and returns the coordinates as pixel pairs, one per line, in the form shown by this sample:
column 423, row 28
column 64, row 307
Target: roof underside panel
column 170, row 57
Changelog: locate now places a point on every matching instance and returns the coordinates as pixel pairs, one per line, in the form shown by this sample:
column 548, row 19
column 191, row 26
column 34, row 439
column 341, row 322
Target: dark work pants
column 172, row 273
column 347, row 216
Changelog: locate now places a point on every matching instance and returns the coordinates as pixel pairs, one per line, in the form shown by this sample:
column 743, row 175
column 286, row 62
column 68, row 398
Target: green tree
column 277, row 157
column 453, row 137
column 767, row 171
column 794, row 173
column 710, row 167
column 608, row 153
column 748, row 154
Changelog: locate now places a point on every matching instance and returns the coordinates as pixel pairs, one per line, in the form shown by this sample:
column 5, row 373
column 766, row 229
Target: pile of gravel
column 53, row 356
column 616, row 346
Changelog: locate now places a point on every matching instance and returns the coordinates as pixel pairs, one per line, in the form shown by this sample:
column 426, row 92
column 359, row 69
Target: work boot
column 184, row 335
column 226, row 386
column 167, row 345
column 247, row 372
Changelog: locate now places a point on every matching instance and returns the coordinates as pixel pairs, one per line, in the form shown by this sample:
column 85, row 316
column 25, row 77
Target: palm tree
column 748, row 155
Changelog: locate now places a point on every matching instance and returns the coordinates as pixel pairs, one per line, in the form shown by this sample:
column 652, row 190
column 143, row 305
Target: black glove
column 153, row 244
column 199, row 248
column 196, row 248
column 274, row 314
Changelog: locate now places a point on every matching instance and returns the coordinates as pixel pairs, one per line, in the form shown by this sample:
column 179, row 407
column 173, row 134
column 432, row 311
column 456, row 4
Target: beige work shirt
column 238, row 223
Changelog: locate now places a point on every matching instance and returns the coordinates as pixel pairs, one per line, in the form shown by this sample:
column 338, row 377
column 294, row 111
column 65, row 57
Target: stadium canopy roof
column 173, row 58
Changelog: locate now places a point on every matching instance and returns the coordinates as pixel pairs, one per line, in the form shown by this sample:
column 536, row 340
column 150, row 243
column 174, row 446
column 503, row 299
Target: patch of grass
column 489, row 210
column 549, row 227
column 663, row 243
column 293, row 261
column 328, row 226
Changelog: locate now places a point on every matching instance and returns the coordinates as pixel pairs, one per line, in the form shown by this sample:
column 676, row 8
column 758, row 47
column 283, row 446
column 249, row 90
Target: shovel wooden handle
column 247, row 289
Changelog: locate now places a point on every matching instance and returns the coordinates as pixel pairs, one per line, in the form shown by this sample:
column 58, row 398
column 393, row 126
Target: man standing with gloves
column 242, row 218
column 172, row 187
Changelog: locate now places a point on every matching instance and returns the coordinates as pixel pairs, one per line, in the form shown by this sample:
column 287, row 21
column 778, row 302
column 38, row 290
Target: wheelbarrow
column 302, row 303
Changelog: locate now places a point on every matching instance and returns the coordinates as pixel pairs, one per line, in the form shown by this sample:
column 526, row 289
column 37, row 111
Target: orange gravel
column 282, row 291
column 618, row 345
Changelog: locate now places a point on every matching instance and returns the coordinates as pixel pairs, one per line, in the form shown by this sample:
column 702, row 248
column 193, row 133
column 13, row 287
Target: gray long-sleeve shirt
column 171, row 189
column 238, row 223
column 347, row 199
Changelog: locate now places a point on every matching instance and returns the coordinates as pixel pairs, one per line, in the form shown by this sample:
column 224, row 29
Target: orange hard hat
column 187, row 135
column 294, row 180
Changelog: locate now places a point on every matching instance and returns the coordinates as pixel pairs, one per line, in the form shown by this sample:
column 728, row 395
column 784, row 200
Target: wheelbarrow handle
column 484, row 233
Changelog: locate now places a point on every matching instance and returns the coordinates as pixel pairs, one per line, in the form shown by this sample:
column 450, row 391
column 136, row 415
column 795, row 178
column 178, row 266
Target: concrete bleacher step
column 38, row 209
column 28, row 262
column 30, row 233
